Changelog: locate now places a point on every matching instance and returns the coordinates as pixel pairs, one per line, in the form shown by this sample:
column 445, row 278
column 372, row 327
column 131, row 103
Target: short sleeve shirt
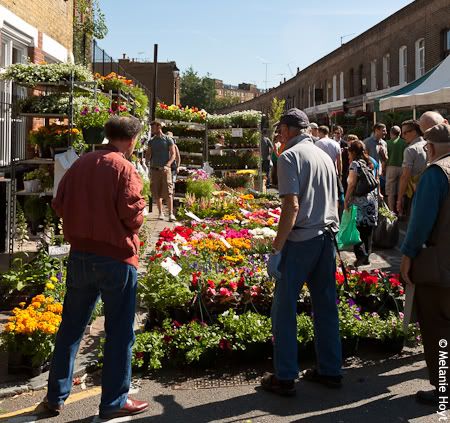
column 331, row 147
column 415, row 157
column 160, row 150
column 308, row 172
column 396, row 148
column 373, row 147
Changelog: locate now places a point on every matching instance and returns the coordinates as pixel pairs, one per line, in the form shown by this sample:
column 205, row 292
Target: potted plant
column 29, row 335
column 92, row 120
column 31, row 181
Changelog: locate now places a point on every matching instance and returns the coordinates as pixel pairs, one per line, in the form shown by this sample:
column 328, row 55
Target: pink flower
column 233, row 286
column 211, row 291
column 225, row 292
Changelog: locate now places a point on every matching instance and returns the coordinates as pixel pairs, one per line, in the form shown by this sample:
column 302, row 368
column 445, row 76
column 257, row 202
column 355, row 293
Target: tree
column 222, row 102
column 276, row 111
column 197, row 91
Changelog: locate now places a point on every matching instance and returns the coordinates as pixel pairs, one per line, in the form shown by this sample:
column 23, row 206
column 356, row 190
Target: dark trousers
column 88, row 277
column 364, row 248
column 433, row 311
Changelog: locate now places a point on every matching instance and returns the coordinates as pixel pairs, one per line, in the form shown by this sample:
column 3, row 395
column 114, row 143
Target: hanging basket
column 93, row 135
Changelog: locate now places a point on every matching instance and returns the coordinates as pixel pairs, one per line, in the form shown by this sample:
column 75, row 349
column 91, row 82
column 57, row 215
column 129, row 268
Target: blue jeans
column 313, row 262
column 88, row 277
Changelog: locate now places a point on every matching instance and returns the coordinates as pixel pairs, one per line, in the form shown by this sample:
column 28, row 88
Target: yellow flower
column 54, row 279
column 49, row 285
column 36, row 304
column 22, row 304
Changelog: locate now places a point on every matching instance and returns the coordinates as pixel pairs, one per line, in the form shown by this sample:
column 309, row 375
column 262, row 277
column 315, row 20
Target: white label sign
column 193, row 216
column 176, row 249
column 225, row 242
column 237, row 132
column 173, row 268
column 58, row 250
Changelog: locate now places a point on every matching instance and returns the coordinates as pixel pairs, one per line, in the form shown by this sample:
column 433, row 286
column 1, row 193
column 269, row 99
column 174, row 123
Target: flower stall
column 208, row 294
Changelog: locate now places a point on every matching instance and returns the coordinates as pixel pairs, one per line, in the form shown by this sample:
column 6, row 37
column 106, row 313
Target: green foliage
column 151, row 344
column 34, row 208
column 305, row 329
column 209, row 207
column 21, row 230
column 223, row 102
column 161, row 291
column 244, row 329
column 197, row 91
column 192, row 341
column 350, row 320
column 202, row 188
column 31, row 74
column 234, row 180
column 276, row 111
column 29, row 275
column 42, row 174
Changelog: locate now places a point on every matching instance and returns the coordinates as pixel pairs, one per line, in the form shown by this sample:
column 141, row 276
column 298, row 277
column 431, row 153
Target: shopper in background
column 367, row 205
column 177, row 162
column 414, row 161
column 266, row 156
column 429, row 119
column 161, row 154
column 376, row 146
column 330, row 147
column 275, row 154
column 396, row 147
column 100, row 202
column 314, row 129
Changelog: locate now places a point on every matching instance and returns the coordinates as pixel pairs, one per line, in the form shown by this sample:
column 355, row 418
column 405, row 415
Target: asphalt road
column 377, row 389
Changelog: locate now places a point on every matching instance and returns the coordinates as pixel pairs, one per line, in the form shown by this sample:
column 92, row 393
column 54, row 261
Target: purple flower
column 350, row 302
column 357, row 317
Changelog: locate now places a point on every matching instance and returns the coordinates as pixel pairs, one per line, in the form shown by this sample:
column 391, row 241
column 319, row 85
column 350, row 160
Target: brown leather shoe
column 130, row 408
column 53, row 408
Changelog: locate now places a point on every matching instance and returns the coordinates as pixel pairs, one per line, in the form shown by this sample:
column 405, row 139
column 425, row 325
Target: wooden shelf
column 39, row 194
column 183, row 153
column 36, row 161
column 45, row 115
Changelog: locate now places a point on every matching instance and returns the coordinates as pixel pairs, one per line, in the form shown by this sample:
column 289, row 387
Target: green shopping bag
column 348, row 234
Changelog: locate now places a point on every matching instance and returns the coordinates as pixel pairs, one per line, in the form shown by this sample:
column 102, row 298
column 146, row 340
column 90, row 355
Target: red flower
column 394, row 282
column 225, row 292
column 339, row 278
column 233, row 286
column 211, row 283
column 241, row 282
column 224, row 344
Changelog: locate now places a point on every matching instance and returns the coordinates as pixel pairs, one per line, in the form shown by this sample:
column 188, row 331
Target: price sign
column 237, row 132
column 173, row 268
column 58, row 250
column 193, row 216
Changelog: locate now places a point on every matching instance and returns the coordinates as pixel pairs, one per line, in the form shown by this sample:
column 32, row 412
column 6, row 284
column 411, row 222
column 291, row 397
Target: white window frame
column 373, row 75
column 420, row 57
column 403, row 65
column 386, row 70
column 341, row 86
column 334, row 88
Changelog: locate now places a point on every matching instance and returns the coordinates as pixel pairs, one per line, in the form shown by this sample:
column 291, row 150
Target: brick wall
column 421, row 19
column 52, row 17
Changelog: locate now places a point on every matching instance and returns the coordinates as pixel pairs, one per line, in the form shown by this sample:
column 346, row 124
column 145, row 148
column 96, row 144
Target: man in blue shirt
column 429, row 268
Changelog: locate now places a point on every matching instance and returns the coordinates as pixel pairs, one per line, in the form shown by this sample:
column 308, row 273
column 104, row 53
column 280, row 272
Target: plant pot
column 19, row 363
column 393, row 345
column 93, row 135
column 34, row 185
column 349, row 346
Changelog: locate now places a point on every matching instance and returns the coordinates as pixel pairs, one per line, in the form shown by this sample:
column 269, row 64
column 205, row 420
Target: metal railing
column 104, row 64
column 13, row 128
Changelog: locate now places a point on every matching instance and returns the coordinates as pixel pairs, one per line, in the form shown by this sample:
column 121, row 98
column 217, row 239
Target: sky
column 233, row 40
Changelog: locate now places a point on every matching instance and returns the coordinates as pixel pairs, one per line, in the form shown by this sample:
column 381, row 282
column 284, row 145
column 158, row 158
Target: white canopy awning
column 432, row 88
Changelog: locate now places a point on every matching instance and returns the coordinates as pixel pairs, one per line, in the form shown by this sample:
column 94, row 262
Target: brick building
column 168, row 89
column 41, row 30
column 244, row 91
column 394, row 52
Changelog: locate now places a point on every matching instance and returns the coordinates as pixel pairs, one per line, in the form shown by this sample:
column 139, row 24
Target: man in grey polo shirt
column 414, row 161
column 161, row 154
column 303, row 251
column 376, row 146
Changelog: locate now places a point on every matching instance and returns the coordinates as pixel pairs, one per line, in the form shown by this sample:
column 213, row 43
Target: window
column 446, row 42
column 351, row 81
column 420, row 57
column 403, row 65
column 334, row 87
column 341, row 86
column 373, row 75
column 386, row 70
